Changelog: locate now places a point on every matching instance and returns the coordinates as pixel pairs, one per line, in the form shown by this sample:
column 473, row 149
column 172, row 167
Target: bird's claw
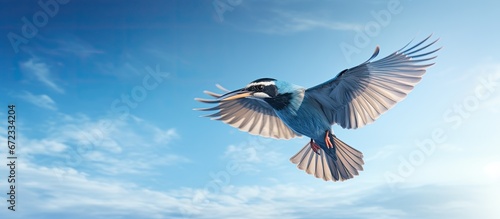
column 316, row 148
column 327, row 140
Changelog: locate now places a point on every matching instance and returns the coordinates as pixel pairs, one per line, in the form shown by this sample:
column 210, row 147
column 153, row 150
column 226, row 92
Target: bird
column 355, row 97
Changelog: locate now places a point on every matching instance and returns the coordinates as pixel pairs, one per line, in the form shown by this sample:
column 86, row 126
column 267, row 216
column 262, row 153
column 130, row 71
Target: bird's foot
column 327, row 139
column 315, row 147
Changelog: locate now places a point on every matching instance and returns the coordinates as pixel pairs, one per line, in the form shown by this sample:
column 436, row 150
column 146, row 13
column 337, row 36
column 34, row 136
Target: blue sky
column 104, row 92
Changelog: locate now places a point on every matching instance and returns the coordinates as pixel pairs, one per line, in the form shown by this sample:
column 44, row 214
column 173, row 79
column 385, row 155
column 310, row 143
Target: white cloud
column 131, row 162
column 41, row 72
column 57, row 191
column 53, row 191
column 42, row 100
column 85, row 132
column 288, row 200
column 108, row 146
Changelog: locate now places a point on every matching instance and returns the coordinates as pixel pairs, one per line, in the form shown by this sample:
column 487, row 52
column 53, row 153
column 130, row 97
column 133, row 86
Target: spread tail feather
column 346, row 165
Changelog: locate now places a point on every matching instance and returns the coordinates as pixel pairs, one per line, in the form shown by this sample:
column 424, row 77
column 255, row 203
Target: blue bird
column 355, row 97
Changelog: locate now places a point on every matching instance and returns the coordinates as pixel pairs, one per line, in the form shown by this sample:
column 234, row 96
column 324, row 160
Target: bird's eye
column 260, row 87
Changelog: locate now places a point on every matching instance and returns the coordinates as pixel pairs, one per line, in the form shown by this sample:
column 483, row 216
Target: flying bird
column 355, row 97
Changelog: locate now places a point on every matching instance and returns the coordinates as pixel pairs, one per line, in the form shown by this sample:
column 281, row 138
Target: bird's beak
column 237, row 94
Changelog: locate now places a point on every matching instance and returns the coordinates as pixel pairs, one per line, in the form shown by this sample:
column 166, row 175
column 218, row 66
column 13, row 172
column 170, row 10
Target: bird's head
column 262, row 88
column 278, row 94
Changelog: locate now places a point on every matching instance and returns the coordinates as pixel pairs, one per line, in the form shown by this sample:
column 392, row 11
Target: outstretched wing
column 359, row 95
column 248, row 114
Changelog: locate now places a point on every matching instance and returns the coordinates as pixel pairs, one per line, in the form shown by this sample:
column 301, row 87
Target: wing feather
column 247, row 114
column 359, row 95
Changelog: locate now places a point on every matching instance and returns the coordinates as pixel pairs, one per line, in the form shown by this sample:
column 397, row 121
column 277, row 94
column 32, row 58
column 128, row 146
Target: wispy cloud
column 42, row 100
column 242, row 154
column 77, row 47
column 64, row 45
column 42, row 146
column 41, row 72
column 124, row 66
column 284, row 22
column 164, row 136
column 254, row 154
